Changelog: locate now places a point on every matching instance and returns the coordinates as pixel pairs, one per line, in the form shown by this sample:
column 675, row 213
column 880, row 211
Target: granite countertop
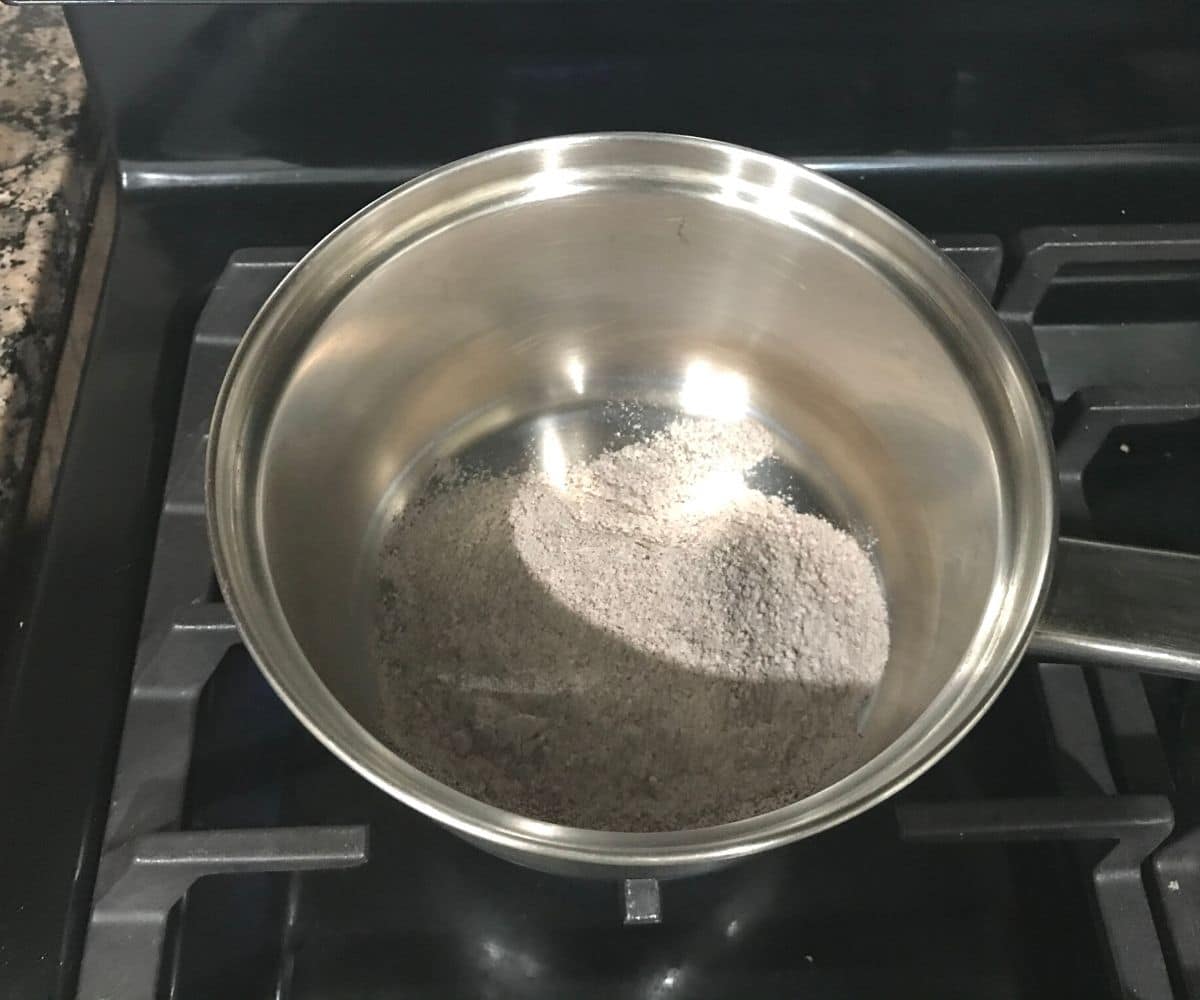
column 42, row 201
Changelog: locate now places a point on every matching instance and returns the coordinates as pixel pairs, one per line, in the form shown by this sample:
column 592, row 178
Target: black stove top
column 184, row 836
column 242, row 859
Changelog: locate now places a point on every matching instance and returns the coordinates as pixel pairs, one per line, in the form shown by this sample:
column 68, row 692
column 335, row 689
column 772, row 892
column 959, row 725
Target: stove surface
column 1037, row 860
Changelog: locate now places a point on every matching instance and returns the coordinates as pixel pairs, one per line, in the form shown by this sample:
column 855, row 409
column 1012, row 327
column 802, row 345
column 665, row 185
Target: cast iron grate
column 1113, row 816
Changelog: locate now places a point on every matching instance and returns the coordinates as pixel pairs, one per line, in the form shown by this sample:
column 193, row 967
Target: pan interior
column 473, row 341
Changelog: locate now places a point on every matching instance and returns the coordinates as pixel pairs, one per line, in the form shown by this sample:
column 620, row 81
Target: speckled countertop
column 42, row 197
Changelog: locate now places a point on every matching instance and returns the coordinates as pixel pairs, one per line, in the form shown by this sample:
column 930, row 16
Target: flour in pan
column 638, row 642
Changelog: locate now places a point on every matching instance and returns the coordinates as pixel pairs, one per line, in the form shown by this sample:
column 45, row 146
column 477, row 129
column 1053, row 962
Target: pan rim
column 244, row 578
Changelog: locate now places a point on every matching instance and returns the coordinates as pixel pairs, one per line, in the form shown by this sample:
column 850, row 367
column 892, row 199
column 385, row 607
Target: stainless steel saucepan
column 544, row 278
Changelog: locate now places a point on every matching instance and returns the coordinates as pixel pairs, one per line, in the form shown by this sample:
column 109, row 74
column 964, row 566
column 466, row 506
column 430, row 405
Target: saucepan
column 559, row 273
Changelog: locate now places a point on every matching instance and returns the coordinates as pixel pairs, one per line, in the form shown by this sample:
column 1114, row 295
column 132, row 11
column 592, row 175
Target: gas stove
column 1024, row 853
column 170, row 831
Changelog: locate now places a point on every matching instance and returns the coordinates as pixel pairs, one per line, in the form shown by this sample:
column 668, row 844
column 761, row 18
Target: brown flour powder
column 637, row 642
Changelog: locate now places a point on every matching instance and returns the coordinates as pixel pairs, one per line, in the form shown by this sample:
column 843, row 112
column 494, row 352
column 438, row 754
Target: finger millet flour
column 637, row 642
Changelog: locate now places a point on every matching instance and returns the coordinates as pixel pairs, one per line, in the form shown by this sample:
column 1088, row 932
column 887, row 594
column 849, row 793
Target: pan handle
column 1119, row 606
